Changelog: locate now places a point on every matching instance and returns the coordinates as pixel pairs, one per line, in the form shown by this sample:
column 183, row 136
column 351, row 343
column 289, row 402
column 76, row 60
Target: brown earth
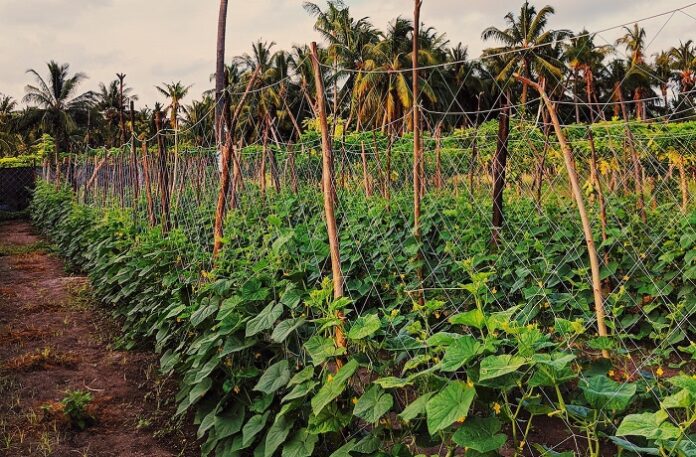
column 54, row 339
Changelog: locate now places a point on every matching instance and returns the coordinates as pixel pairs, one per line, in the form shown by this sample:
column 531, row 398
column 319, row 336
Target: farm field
column 374, row 245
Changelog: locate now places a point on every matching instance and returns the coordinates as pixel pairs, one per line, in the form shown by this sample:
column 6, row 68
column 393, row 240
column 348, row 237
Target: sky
column 155, row 41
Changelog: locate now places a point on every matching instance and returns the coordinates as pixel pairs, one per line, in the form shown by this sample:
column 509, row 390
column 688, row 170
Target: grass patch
column 24, row 249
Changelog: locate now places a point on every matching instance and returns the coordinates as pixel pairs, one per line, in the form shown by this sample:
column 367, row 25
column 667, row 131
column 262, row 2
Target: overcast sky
column 170, row 40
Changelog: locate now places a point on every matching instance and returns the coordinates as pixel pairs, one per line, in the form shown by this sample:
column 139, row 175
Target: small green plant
column 75, row 405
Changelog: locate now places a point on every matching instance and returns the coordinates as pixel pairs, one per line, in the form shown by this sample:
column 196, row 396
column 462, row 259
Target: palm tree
column 584, row 57
column 526, row 44
column 662, row 70
column 110, row 102
column 56, row 102
column 175, row 91
column 638, row 75
column 684, row 64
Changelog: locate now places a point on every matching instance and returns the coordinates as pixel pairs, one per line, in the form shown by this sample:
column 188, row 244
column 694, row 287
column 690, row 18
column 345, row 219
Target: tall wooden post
column 417, row 151
column 577, row 193
column 328, row 190
column 220, row 71
column 135, row 178
column 148, row 186
column 121, row 120
column 499, row 165
column 163, row 174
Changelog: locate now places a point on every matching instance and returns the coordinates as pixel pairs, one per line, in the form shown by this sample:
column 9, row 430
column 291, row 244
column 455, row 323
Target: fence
column 16, row 186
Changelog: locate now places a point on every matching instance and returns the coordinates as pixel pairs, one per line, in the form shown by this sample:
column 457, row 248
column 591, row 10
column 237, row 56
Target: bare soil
column 54, row 339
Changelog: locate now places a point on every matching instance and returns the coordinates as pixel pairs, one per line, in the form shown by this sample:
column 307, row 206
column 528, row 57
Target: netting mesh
column 526, row 299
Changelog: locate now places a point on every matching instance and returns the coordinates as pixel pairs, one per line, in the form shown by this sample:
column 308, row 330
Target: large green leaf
column 495, row 366
column 651, row 426
column 284, row 328
column 301, row 445
column 253, row 427
column 276, row 434
column 229, row 422
column 601, row 392
column 265, row 319
column 480, row 434
column 450, row 405
column 363, row 327
column 275, row 377
column 333, row 387
column 473, row 318
column 320, row 348
column 460, row 352
column 416, row 407
column 373, row 404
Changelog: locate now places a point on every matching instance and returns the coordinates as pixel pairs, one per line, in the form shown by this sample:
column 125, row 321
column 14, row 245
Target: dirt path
column 54, row 339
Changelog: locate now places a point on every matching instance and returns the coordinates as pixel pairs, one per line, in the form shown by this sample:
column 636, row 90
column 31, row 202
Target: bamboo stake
column 163, row 174
column 148, row 187
column 327, row 187
column 417, row 150
column 577, row 193
column 366, row 180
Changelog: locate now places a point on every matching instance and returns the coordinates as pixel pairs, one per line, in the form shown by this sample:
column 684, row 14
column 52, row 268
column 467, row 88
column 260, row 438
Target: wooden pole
column 417, row 148
column 220, row 70
column 366, row 179
column 148, row 186
column 134, row 157
column 328, row 190
column 163, row 174
column 577, row 193
column 499, row 166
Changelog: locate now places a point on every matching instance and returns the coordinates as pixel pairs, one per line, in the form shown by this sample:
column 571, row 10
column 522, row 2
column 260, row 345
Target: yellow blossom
column 355, row 400
column 329, row 378
column 496, row 407
column 394, row 312
column 494, row 291
column 461, row 419
column 626, row 278
column 659, row 371
column 611, row 373
column 470, row 383
column 236, row 389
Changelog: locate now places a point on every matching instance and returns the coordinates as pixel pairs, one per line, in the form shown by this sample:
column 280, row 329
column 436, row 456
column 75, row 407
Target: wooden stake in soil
column 328, row 190
column 148, row 186
column 577, row 193
column 134, row 157
column 499, row 165
column 163, row 174
column 366, row 179
column 417, row 149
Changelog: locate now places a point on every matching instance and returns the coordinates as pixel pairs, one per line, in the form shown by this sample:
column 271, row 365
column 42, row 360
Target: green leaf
column 480, row 434
column 229, row 422
column 275, row 377
column 373, row 404
column 391, row 382
column 301, row 376
column 680, row 399
column 460, row 352
column 300, row 391
column 276, row 435
column 495, row 366
column 253, row 427
column 265, row 319
column 333, row 388
column 651, row 426
column 416, row 407
column 448, row 406
column 301, row 445
column 199, row 390
column 601, row 392
column 284, row 328
column 473, row 318
column 363, row 327
column 320, row 348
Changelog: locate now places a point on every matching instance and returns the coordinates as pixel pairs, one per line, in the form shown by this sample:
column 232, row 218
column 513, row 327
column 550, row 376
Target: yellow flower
column 626, row 278
column 236, row 389
column 494, row 291
column 394, row 312
column 461, row 419
column 659, row 371
column 470, row 383
column 437, row 315
column 355, row 400
column 611, row 373
column 546, row 305
column 496, row 407
column 522, row 443
column 329, row 378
